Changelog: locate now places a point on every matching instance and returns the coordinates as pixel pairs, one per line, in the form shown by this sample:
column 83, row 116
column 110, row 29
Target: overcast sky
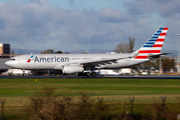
column 24, row 23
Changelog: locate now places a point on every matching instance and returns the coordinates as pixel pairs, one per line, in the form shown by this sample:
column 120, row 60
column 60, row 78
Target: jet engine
column 72, row 69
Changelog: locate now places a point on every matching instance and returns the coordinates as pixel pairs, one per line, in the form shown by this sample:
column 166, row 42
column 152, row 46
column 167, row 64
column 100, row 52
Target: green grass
column 113, row 90
column 107, row 86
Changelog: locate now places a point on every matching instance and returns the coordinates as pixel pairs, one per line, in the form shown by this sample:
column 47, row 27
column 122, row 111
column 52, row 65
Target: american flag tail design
column 153, row 45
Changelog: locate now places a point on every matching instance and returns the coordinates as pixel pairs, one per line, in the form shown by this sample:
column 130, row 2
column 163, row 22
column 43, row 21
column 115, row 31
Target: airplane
column 85, row 64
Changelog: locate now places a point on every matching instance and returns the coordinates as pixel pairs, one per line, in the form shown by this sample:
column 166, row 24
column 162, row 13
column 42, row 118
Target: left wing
column 104, row 61
column 97, row 62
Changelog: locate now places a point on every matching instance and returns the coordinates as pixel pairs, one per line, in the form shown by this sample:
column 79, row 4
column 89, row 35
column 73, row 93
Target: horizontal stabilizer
column 153, row 56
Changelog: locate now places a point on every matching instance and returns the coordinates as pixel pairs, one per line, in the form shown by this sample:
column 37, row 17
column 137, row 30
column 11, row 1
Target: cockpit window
column 12, row 59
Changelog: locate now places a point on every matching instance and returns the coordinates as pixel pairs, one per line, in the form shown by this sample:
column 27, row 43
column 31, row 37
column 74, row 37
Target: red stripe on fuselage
column 149, row 51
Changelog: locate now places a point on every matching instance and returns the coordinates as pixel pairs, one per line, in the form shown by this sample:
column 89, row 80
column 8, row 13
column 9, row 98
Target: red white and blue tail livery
column 154, row 45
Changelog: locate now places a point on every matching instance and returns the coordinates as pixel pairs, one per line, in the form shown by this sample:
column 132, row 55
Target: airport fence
column 108, row 97
column 131, row 108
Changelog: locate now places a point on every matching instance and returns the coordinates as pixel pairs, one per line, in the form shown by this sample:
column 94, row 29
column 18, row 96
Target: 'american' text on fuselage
column 51, row 59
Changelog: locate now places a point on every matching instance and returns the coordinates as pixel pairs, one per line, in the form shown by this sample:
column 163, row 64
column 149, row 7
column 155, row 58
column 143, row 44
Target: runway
column 100, row 76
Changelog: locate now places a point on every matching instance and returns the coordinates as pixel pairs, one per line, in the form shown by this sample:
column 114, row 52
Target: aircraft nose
column 12, row 64
column 8, row 63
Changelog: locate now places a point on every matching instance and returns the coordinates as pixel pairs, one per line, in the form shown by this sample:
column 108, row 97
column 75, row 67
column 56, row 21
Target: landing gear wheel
column 24, row 74
column 93, row 74
column 87, row 74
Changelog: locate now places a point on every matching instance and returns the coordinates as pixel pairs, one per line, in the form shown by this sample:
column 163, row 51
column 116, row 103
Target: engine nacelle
column 72, row 69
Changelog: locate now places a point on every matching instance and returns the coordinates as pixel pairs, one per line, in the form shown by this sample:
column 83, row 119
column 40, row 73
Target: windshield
column 12, row 59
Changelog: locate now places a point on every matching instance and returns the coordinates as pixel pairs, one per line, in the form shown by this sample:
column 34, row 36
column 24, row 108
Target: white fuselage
column 57, row 61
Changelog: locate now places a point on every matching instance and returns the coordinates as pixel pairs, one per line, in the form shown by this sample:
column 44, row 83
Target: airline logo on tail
column 153, row 45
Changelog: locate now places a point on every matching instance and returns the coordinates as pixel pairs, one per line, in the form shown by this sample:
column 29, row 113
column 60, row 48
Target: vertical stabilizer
column 153, row 45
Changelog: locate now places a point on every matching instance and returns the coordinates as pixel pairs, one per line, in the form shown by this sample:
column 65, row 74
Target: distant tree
column 12, row 51
column 131, row 44
column 157, row 62
column 59, row 52
column 125, row 47
column 122, row 48
column 168, row 63
column 148, row 64
column 48, row 51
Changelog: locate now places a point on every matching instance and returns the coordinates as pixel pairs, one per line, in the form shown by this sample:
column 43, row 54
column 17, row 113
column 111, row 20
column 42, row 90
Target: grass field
column 112, row 89
column 115, row 92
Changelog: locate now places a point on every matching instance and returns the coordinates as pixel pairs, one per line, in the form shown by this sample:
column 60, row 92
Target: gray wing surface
column 104, row 61
column 97, row 62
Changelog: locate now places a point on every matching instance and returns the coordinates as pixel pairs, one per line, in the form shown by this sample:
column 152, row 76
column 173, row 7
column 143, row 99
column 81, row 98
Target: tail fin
column 153, row 45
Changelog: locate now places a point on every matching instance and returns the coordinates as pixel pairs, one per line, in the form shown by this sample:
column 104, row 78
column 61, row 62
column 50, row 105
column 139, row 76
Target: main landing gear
column 87, row 74
column 24, row 74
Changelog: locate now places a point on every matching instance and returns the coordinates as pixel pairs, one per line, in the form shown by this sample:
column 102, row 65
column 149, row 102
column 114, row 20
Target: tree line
column 50, row 51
